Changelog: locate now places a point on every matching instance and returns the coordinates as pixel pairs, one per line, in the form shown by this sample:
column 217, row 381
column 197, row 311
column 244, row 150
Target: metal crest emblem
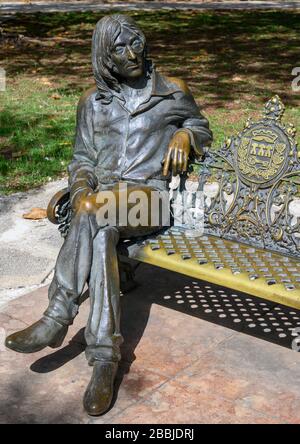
column 262, row 154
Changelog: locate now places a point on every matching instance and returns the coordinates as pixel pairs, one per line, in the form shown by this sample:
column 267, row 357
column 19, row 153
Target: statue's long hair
column 105, row 34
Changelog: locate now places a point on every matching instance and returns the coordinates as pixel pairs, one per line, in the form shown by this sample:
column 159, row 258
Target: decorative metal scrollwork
column 63, row 212
column 251, row 185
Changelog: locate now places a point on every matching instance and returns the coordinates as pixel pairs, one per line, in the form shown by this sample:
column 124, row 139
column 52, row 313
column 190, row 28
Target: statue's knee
column 87, row 205
column 108, row 234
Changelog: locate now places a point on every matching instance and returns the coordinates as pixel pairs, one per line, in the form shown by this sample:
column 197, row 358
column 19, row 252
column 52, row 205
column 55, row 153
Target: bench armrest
column 59, row 199
column 59, row 210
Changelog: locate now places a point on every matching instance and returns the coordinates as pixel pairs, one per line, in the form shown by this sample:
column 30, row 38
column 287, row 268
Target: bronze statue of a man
column 130, row 124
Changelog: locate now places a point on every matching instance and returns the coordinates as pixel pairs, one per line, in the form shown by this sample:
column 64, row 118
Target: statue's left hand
column 178, row 153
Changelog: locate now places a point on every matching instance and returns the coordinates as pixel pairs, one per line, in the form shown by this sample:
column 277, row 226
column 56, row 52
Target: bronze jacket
column 113, row 144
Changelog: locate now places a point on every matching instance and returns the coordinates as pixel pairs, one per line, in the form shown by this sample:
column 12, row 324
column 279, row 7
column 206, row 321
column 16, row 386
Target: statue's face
column 128, row 55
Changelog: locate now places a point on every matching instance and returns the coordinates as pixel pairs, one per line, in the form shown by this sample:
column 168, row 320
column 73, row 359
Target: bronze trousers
column 89, row 255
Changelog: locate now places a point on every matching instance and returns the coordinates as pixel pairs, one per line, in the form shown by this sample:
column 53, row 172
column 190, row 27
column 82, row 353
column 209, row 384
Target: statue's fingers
column 185, row 161
column 180, row 161
column 174, row 161
column 167, row 162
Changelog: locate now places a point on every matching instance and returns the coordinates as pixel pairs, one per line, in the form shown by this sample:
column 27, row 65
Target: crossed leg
column 88, row 255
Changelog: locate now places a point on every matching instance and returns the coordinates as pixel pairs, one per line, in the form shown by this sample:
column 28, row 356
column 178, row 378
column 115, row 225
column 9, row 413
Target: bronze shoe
column 43, row 333
column 99, row 393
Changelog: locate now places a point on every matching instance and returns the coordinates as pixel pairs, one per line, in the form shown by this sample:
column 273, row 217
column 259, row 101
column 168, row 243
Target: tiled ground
column 183, row 362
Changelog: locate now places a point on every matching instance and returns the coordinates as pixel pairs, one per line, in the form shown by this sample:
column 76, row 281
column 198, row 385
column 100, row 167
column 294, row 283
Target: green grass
column 36, row 132
column 233, row 63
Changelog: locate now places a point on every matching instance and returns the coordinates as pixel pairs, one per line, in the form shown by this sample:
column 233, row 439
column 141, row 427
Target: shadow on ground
column 231, row 309
column 212, row 303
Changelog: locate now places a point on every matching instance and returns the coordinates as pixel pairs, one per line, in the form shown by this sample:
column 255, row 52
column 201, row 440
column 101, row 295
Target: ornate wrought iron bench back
column 258, row 177
column 251, row 216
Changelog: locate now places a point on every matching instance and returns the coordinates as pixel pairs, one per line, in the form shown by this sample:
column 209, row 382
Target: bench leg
column 127, row 274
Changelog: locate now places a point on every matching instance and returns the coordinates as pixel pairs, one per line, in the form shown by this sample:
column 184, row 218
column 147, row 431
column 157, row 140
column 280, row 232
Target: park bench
column 250, row 206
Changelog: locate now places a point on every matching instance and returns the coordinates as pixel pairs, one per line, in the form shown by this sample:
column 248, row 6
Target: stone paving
column 28, row 247
column 178, row 365
column 61, row 6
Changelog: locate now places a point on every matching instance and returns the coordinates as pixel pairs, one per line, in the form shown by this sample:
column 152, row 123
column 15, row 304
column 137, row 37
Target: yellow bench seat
column 254, row 271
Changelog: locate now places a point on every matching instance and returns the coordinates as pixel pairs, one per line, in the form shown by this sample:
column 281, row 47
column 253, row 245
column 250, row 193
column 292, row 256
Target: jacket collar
column 160, row 88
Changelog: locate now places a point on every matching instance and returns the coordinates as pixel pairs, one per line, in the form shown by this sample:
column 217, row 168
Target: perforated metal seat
column 254, row 271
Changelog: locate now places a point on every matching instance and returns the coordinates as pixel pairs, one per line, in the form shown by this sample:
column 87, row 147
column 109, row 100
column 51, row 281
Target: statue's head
column 118, row 52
